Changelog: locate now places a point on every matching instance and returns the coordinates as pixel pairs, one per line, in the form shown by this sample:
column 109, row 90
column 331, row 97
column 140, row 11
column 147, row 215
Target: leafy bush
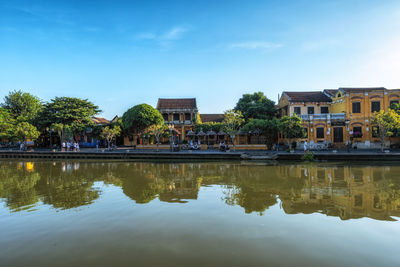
column 308, row 156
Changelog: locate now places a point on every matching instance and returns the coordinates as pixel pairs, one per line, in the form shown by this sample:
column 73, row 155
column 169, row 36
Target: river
column 77, row 213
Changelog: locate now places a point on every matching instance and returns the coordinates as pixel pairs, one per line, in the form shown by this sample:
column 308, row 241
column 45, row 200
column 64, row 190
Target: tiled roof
column 314, row 96
column 361, row 89
column 176, row 103
column 98, row 120
column 212, row 117
column 331, row 92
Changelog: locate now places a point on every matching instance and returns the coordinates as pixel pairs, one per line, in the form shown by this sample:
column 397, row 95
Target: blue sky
column 122, row 53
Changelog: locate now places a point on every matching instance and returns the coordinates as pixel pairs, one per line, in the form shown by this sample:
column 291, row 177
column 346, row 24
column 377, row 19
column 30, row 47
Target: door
column 338, row 134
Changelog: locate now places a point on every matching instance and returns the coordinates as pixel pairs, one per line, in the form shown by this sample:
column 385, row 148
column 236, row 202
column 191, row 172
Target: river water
column 198, row 214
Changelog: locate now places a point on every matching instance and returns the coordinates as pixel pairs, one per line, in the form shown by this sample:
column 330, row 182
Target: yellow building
column 180, row 113
column 336, row 117
column 314, row 108
column 359, row 105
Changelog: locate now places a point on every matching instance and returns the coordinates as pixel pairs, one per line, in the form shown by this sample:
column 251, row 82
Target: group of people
column 70, row 146
column 195, row 145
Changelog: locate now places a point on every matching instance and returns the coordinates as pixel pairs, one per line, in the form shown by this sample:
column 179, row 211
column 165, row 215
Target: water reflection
column 345, row 191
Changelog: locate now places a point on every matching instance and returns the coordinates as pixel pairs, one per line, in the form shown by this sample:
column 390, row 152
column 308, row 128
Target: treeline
column 24, row 116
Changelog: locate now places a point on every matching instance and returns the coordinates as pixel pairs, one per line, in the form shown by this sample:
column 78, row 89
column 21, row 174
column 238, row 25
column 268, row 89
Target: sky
column 122, row 53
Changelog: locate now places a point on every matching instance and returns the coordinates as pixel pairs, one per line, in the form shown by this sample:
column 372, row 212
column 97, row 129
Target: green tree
column 208, row 126
column 157, row 130
column 109, row 133
column 7, row 125
column 388, row 123
column 291, row 128
column 22, row 106
column 233, row 120
column 269, row 128
column 140, row 117
column 24, row 130
column 68, row 114
column 256, row 106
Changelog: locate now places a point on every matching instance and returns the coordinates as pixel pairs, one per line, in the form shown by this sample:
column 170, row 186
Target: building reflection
column 344, row 191
column 348, row 192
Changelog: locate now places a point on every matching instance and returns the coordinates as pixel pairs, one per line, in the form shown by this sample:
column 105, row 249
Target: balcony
column 338, row 116
column 320, row 117
column 186, row 122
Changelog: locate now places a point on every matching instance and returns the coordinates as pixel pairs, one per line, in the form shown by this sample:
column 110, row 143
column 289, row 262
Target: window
column 306, row 132
column 356, row 107
column 188, row 117
column 375, row 131
column 357, row 132
column 165, row 116
column 297, row 110
column 310, row 110
column 320, row 132
column 324, row 110
column 375, row 106
column 393, row 102
column 358, row 200
column 176, row 116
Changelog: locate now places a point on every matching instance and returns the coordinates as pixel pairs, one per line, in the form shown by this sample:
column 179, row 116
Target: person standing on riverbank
column 305, row 146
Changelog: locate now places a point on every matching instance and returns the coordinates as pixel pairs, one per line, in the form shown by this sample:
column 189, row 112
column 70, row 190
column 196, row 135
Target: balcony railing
column 338, row 116
column 186, row 122
column 329, row 116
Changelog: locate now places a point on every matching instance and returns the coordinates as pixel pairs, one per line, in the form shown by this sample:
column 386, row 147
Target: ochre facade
column 345, row 118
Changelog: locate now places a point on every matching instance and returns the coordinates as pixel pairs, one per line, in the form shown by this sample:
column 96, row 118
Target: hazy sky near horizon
column 122, row 53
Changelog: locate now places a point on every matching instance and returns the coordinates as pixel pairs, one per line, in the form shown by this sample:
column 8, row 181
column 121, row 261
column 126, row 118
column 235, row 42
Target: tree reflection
column 17, row 185
column 345, row 191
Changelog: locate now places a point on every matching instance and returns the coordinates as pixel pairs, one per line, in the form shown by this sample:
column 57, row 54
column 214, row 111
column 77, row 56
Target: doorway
column 338, row 134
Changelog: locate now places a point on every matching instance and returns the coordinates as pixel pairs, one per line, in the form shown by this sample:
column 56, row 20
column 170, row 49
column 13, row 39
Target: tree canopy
column 22, row 106
column 291, row 127
column 233, row 120
column 269, row 128
column 256, row 106
column 388, row 123
column 18, row 114
column 140, row 117
column 24, row 130
column 109, row 133
column 7, row 125
column 73, row 113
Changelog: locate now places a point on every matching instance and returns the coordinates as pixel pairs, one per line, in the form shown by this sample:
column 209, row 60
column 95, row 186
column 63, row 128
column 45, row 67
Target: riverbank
column 203, row 155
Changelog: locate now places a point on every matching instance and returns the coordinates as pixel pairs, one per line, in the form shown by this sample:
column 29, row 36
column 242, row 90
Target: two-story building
column 339, row 116
column 359, row 105
column 179, row 113
column 314, row 108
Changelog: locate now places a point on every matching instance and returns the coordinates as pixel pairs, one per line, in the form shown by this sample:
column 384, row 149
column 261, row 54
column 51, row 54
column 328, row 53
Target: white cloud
column 253, row 45
column 174, row 33
column 164, row 39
